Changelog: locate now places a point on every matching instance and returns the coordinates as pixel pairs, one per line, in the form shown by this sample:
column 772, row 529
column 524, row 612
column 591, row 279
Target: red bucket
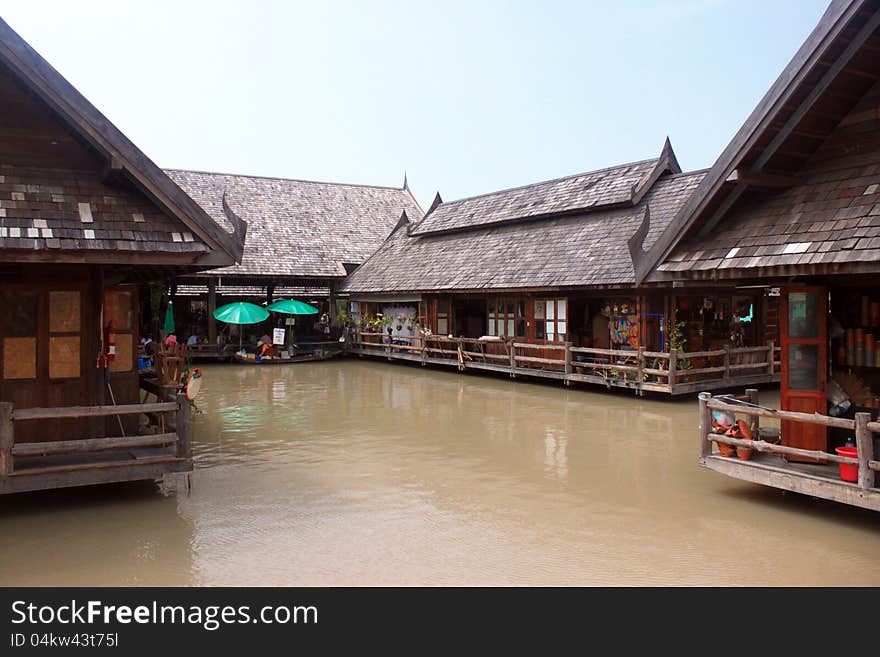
column 848, row 472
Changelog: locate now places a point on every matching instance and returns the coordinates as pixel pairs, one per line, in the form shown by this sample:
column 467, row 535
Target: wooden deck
column 817, row 480
column 48, row 464
column 641, row 371
column 768, row 464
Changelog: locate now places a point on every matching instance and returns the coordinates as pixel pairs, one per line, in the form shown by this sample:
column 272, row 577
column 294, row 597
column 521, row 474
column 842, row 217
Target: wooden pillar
column 270, row 292
column 865, row 445
column 673, row 366
column 640, row 374
column 568, row 367
column 754, row 397
column 212, row 306
column 705, row 424
column 97, row 425
column 771, row 357
column 184, row 427
column 331, row 305
column 512, row 359
column 7, row 438
column 726, row 374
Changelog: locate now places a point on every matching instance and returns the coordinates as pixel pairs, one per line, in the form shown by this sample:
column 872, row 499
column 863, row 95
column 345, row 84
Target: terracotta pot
column 743, row 453
column 725, row 449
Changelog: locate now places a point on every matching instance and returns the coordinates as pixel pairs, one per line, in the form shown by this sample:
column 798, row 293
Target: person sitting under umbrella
column 266, row 346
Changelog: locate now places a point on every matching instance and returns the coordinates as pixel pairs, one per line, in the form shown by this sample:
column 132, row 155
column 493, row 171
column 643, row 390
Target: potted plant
column 675, row 340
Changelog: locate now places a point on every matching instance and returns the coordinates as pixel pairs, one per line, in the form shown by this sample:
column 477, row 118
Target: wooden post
column 567, row 357
column 771, row 357
column 673, row 366
column 726, row 374
column 753, row 396
column 640, row 375
column 424, row 350
column 512, row 360
column 705, row 424
column 184, row 427
column 98, row 392
column 865, row 445
column 212, row 306
column 7, row 438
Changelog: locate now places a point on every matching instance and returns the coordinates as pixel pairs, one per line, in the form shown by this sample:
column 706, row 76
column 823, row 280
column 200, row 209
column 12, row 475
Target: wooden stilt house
column 793, row 205
column 85, row 217
column 539, row 281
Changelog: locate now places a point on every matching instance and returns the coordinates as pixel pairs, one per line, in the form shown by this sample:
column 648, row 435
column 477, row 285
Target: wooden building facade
column 85, row 219
column 794, row 202
column 539, row 281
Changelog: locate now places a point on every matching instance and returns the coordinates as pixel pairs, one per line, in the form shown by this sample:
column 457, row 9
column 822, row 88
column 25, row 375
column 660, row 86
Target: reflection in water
column 357, row 472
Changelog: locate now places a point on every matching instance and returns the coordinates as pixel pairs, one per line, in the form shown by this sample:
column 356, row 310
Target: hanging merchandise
column 111, row 342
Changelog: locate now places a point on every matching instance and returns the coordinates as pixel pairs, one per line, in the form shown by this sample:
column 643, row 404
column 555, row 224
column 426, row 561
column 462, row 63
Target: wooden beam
column 705, row 425
column 183, row 426
column 824, row 82
column 212, row 306
column 135, row 470
column 742, row 176
column 112, row 171
column 90, row 411
column 92, row 444
column 865, row 445
column 97, row 466
column 7, row 438
column 722, row 210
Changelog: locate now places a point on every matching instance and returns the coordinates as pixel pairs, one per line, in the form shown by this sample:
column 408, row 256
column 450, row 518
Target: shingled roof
column 585, row 248
column 796, row 190
column 72, row 183
column 619, row 185
column 300, row 228
column 829, row 222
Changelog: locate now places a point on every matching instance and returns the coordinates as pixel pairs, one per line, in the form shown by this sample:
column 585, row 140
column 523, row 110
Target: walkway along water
column 356, row 472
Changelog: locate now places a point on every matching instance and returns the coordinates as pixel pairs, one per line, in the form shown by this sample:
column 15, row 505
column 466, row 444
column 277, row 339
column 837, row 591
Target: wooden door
column 804, row 364
column 44, row 363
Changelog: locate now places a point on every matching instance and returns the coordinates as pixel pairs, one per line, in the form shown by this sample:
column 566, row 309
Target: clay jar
column 743, row 453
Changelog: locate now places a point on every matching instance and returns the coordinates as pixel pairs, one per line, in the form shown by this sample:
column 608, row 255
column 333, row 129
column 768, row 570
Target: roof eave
column 119, row 151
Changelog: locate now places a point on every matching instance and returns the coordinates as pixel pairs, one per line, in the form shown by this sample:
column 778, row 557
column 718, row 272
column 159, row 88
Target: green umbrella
column 292, row 307
column 241, row 312
column 169, row 319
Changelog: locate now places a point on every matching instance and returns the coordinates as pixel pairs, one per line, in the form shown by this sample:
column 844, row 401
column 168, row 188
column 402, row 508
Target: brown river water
column 355, row 472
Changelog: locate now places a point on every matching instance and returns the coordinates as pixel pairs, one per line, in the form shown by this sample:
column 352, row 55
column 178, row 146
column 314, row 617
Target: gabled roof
column 828, row 75
column 122, row 158
column 580, row 249
column 617, row 186
column 300, row 228
column 827, row 223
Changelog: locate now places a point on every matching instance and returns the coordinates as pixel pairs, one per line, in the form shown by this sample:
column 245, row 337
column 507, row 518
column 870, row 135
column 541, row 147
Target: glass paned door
column 804, row 364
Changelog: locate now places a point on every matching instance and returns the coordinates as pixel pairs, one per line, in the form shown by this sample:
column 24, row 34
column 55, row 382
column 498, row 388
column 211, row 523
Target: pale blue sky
column 467, row 97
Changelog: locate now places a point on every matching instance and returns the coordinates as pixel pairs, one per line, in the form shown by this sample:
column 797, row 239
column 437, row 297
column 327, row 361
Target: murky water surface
column 366, row 473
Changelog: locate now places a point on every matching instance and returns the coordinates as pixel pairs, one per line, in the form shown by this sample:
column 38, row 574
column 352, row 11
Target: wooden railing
column 181, row 436
column 748, row 406
column 640, row 369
